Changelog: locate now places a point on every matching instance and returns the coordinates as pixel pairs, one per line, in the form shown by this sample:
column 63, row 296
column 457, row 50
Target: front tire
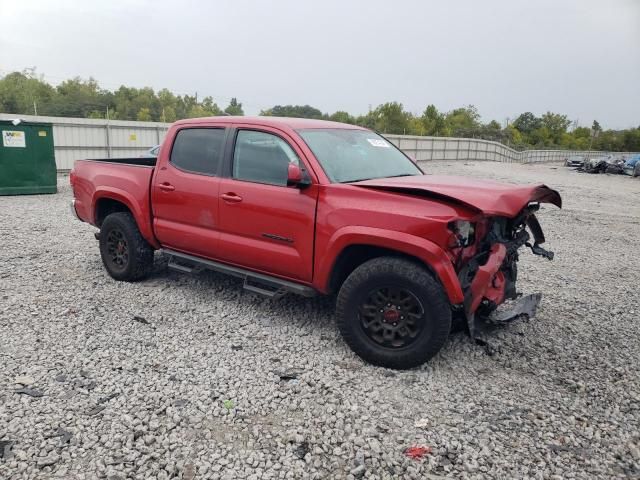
column 393, row 313
column 126, row 255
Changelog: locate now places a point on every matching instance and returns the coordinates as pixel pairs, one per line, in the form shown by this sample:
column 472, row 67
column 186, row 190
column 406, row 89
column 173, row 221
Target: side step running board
column 267, row 285
column 268, row 290
column 179, row 267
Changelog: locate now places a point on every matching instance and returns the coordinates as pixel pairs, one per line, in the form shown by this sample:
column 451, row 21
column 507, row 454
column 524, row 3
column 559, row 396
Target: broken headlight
column 464, row 232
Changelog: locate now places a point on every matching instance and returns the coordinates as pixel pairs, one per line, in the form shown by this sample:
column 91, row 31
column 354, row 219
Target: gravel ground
column 191, row 377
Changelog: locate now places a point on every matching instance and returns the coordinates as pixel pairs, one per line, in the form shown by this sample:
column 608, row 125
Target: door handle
column 231, row 197
column 166, row 187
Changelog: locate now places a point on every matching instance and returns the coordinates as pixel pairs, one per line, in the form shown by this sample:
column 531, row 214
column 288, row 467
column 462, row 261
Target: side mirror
column 297, row 177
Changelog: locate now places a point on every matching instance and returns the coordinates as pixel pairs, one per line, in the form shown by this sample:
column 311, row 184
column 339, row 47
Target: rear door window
column 198, row 150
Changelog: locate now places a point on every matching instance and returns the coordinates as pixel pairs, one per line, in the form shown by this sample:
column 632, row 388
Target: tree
column 432, row 121
column 491, row 131
column 609, row 140
column 77, row 98
column 556, row 124
column 462, row 122
column 210, row 107
column 631, row 140
column 390, row 118
column 20, row 90
column 367, row 121
column 198, row 111
column 168, row 115
column 513, row 137
column 296, row 111
column 144, row 115
column 596, row 126
column 342, row 117
column 527, row 122
column 234, row 107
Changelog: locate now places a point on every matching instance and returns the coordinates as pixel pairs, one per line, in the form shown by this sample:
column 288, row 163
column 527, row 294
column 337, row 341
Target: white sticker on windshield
column 378, row 142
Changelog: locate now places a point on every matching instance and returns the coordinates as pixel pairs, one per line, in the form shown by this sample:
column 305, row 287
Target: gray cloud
column 576, row 57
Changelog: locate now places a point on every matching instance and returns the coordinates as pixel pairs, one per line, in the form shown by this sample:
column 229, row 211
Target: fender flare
column 132, row 204
column 428, row 252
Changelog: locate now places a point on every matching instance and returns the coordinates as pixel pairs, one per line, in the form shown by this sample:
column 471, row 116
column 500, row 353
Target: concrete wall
column 76, row 138
column 449, row 148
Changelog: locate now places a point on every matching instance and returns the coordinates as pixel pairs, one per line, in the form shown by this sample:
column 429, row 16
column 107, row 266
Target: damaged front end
column 487, row 268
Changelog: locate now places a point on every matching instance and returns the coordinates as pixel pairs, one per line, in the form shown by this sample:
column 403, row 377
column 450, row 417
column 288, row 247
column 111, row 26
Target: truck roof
column 294, row 123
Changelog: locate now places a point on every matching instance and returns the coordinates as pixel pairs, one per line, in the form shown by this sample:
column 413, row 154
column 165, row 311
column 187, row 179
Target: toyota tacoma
column 315, row 207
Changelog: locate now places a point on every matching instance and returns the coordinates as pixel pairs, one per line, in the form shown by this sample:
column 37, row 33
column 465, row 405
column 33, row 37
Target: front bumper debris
column 484, row 278
column 487, row 282
column 493, row 277
column 522, row 309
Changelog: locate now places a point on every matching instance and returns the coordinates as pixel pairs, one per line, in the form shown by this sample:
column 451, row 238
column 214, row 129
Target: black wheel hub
column 392, row 317
column 117, row 249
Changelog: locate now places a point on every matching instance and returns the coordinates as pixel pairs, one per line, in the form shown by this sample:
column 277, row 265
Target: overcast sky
column 577, row 57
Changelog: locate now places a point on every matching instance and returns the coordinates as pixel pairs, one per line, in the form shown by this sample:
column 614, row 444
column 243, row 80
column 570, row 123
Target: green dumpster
column 27, row 161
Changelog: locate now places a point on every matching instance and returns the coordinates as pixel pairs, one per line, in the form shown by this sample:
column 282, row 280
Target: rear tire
column 125, row 254
column 393, row 313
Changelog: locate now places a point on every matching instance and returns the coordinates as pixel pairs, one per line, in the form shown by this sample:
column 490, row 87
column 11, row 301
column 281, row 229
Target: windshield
column 349, row 155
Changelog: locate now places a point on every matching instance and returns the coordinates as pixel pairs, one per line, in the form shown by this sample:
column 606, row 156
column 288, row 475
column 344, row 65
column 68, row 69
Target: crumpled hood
column 486, row 196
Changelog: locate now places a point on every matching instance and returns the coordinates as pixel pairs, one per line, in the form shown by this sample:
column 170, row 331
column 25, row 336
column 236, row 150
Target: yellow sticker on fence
column 132, row 137
column 42, row 133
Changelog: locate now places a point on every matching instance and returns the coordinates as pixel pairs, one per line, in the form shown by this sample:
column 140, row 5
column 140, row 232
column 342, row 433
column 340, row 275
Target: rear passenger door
column 265, row 225
column 184, row 193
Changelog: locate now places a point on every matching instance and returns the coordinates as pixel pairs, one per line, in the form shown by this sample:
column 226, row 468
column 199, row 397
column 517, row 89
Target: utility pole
column 35, row 108
column 107, row 112
column 594, row 134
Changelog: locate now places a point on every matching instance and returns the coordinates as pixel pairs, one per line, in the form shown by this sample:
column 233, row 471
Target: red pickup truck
column 315, row 207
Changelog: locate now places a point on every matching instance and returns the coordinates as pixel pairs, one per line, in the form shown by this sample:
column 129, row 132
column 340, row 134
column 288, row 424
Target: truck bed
column 126, row 180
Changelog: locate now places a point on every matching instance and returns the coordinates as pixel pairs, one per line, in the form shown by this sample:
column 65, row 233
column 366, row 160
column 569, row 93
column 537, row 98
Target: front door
column 185, row 192
column 265, row 225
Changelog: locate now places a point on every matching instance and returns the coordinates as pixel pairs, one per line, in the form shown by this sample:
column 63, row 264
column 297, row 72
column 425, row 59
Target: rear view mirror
column 297, row 177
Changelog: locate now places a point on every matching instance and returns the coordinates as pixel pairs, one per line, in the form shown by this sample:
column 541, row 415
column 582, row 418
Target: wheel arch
column 105, row 206
column 110, row 201
column 351, row 248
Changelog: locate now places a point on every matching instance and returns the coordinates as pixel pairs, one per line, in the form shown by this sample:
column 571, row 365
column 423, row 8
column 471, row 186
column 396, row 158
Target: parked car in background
column 574, row 161
column 615, row 164
column 152, row 152
column 598, row 164
column 632, row 166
